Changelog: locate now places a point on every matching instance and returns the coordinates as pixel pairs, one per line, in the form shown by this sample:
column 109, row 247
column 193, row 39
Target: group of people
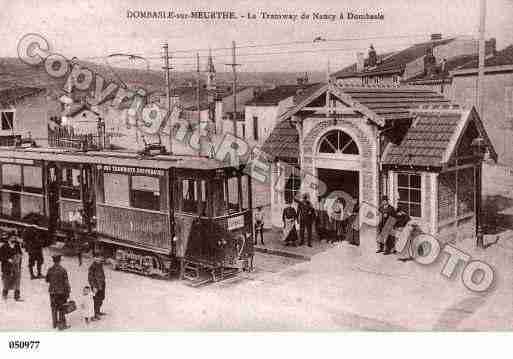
column 334, row 221
column 11, row 258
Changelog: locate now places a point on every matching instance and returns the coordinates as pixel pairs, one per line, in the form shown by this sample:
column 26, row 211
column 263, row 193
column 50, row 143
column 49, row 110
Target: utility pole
column 328, row 82
column 481, row 69
column 234, row 65
column 198, row 102
column 166, row 69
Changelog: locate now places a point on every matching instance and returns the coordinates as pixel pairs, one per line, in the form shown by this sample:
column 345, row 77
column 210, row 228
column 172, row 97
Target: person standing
column 353, row 225
column 34, row 244
column 289, row 225
column 337, row 215
column 386, row 224
column 11, row 257
column 259, row 225
column 59, row 289
column 96, row 277
column 306, row 214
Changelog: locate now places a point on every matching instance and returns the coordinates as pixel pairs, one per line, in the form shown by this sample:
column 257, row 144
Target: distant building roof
column 440, row 74
column 9, row 96
column 74, row 109
column 501, row 58
column 273, row 96
column 396, row 62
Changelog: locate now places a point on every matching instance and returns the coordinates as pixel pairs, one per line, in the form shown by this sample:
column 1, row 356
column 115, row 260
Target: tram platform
column 273, row 244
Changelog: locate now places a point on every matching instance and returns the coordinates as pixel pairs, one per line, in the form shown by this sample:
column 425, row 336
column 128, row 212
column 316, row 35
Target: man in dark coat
column 34, row 244
column 96, row 277
column 289, row 217
column 59, row 290
column 386, row 224
column 10, row 257
column 306, row 214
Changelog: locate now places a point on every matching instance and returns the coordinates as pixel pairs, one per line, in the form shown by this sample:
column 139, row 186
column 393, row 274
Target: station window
column 292, row 188
column 145, row 193
column 7, row 120
column 409, row 190
column 32, row 179
column 70, row 183
column 11, row 177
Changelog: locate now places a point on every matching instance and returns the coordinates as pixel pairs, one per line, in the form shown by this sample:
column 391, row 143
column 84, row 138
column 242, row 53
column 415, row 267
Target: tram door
column 88, row 195
column 53, row 197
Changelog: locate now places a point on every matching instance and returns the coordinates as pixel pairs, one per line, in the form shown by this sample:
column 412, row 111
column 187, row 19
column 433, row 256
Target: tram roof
column 117, row 158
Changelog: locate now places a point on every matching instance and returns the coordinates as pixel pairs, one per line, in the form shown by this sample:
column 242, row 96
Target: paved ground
column 341, row 288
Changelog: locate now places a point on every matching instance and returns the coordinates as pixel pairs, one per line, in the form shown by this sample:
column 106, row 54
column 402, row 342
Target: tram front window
column 70, row 183
column 230, row 195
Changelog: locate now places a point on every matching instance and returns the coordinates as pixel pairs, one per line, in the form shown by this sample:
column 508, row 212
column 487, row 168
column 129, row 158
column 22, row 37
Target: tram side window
column 11, row 177
column 145, row 193
column 70, row 183
column 116, row 189
column 32, row 179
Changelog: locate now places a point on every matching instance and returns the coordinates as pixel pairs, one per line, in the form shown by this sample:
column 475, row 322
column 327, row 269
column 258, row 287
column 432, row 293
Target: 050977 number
column 24, row 344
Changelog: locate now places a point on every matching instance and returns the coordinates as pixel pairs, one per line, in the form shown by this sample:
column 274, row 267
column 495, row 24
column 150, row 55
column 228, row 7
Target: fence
column 62, row 136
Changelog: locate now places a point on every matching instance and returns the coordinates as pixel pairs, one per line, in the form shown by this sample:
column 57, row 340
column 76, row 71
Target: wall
column 495, row 119
column 33, row 114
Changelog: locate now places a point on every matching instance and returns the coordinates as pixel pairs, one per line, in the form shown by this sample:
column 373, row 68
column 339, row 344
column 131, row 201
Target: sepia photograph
column 255, row 167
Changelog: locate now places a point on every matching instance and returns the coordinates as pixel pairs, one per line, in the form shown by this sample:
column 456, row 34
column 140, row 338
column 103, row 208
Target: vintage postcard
column 255, row 166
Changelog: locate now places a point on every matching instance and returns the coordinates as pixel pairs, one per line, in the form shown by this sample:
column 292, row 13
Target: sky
column 96, row 28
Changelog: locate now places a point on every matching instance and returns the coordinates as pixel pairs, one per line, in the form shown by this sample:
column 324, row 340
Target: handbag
column 69, row 307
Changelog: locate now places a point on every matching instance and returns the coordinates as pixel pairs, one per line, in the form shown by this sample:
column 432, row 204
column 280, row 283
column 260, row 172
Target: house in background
column 262, row 113
column 26, row 111
column 497, row 112
column 417, row 60
column 411, row 144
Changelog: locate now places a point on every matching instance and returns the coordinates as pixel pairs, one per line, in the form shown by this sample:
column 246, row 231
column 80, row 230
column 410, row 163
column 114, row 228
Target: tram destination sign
column 235, row 223
column 18, row 161
column 141, row 171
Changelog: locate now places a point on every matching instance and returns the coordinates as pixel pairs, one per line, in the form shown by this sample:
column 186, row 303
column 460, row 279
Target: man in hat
column 11, row 257
column 59, row 289
column 306, row 214
column 34, row 243
column 386, row 224
column 96, row 277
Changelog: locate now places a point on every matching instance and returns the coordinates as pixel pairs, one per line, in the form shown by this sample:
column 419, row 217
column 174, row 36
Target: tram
column 151, row 214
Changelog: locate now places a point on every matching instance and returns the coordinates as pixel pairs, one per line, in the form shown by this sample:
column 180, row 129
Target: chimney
column 373, row 58
column 491, row 47
column 436, row 37
column 360, row 62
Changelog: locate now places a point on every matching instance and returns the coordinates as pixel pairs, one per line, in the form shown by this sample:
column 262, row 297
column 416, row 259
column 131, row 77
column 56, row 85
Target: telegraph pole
column 234, row 65
column 198, row 101
column 481, row 66
column 166, row 69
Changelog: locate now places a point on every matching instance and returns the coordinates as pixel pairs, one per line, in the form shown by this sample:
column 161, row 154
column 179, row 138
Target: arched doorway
column 338, row 163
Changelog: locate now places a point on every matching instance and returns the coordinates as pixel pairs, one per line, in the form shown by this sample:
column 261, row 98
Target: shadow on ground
column 496, row 218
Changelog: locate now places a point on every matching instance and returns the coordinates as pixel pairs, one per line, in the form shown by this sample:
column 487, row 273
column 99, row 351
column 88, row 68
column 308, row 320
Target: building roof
column 394, row 63
column 433, row 136
column 382, row 105
column 451, row 64
column 9, row 96
column 74, row 109
column 273, row 96
column 501, row 58
column 189, row 98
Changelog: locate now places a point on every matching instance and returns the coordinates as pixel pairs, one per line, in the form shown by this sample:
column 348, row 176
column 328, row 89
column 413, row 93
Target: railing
column 147, row 228
column 62, row 136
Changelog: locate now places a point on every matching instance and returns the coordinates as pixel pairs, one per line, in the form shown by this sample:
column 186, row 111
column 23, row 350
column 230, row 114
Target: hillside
column 14, row 71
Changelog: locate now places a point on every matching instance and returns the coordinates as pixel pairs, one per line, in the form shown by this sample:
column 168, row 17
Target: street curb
column 281, row 253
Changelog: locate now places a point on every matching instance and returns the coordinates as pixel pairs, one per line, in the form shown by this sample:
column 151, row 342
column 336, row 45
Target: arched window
column 338, row 142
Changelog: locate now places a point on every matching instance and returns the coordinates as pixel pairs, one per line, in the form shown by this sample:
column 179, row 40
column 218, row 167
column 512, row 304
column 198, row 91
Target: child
column 86, row 306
